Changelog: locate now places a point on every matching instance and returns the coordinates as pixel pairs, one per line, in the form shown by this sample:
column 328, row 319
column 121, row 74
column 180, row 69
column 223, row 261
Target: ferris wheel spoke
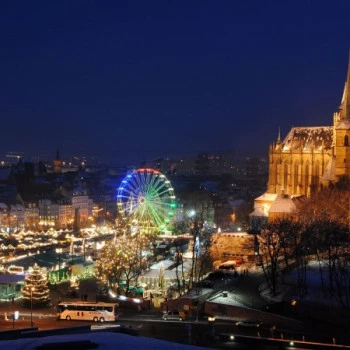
column 147, row 214
column 158, row 192
column 159, row 219
column 165, row 205
column 132, row 187
column 157, row 202
column 155, row 180
column 138, row 181
column 124, row 211
column 146, row 197
column 126, row 189
column 129, row 209
column 156, row 216
column 154, row 209
column 149, row 186
column 142, row 180
column 160, row 184
column 127, row 194
column 166, row 190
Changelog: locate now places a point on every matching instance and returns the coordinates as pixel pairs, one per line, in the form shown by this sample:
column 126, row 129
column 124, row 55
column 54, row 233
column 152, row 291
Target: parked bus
column 87, row 311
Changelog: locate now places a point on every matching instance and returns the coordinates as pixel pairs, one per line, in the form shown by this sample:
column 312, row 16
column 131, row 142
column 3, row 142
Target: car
column 205, row 284
column 251, row 323
column 217, row 275
column 174, row 316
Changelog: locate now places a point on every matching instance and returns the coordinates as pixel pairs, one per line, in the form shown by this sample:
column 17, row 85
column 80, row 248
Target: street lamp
column 59, row 251
column 16, row 218
column 191, row 213
column 31, row 306
column 84, row 248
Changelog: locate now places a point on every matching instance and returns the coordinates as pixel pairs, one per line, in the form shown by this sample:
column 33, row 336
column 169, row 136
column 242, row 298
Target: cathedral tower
column 57, row 163
column 306, row 160
column 341, row 122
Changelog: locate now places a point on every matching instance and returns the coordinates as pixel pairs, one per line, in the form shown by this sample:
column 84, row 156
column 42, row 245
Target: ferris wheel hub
column 147, row 198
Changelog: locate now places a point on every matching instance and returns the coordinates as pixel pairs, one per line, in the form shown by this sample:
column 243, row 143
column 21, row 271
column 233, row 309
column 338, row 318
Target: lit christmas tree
column 120, row 261
column 36, row 287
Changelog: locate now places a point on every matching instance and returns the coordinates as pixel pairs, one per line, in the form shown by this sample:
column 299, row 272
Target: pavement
column 58, row 293
column 7, row 308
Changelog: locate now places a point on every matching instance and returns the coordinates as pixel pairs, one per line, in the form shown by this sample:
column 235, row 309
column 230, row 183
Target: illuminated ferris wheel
column 146, row 199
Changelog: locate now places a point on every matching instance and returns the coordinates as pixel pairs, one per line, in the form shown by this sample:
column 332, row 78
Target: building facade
column 307, row 159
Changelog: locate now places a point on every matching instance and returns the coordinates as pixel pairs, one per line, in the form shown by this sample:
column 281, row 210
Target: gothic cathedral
column 307, row 159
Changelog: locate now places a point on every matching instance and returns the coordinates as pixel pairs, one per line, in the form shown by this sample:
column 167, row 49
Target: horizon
column 16, row 156
column 127, row 83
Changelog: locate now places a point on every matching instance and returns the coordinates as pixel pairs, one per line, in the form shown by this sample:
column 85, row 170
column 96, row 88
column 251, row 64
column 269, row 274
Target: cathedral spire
column 279, row 135
column 344, row 109
column 57, row 154
column 57, row 163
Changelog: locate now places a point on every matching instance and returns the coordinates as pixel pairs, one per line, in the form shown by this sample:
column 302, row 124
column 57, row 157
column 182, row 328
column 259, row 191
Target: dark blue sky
column 128, row 81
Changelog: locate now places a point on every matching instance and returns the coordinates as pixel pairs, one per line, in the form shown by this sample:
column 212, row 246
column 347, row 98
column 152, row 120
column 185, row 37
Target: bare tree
column 269, row 249
column 327, row 220
column 180, row 244
column 296, row 250
column 120, row 261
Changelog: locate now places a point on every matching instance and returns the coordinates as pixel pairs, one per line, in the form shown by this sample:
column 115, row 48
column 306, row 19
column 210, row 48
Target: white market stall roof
column 9, row 278
column 166, row 264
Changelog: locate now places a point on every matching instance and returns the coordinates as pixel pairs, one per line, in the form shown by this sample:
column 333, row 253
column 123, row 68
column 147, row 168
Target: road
column 149, row 323
column 202, row 333
column 244, row 287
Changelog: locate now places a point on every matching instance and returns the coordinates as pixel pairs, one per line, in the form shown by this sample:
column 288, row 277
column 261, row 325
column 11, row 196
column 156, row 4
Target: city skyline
column 127, row 83
column 73, row 160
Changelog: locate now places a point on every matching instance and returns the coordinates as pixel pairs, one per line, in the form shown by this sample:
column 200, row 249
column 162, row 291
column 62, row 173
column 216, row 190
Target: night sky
column 127, row 81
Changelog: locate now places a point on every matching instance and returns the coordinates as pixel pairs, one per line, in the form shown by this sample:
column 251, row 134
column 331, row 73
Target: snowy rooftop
column 344, row 124
column 104, row 341
column 168, row 274
column 282, row 204
column 258, row 211
column 231, row 299
column 8, row 278
column 318, row 137
column 267, row 197
column 165, row 263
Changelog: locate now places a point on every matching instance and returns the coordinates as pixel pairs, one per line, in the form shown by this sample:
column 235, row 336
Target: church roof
column 258, row 211
column 316, row 137
column 282, row 204
column 344, row 108
column 344, row 124
column 11, row 278
column 267, row 197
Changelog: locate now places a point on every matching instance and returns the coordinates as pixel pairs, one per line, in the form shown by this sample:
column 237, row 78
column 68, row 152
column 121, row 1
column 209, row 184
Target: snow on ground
column 105, row 341
column 231, row 299
column 289, row 292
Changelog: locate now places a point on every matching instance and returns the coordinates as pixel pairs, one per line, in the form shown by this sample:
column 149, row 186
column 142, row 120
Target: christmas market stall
column 11, row 286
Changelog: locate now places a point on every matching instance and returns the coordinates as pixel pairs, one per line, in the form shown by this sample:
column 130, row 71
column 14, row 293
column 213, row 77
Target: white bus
column 87, row 311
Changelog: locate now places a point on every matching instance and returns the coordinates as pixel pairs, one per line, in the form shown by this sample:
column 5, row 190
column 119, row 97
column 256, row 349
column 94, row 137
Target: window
column 346, row 141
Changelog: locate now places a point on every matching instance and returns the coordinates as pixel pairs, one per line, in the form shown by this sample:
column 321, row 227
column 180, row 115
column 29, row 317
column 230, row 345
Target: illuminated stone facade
column 312, row 156
column 307, row 159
